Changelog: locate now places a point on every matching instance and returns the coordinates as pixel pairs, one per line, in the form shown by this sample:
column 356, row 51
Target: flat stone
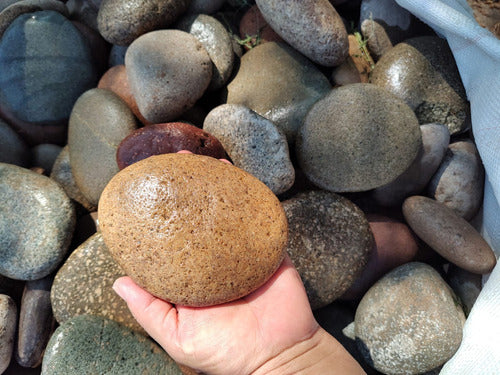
column 122, row 22
column 8, row 323
column 313, row 28
column 100, row 120
column 209, row 232
column 449, row 234
column 254, row 144
column 428, row 81
column 83, row 286
column 329, row 243
column 358, row 137
column 93, row 345
column 279, row 84
column 168, row 71
column 465, row 284
column 164, row 139
column 63, row 175
column 36, row 322
column 36, row 225
column 13, row 149
column 44, row 155
column 435, row 140
column 216, row 40
column 459, row 180
column 409, row 322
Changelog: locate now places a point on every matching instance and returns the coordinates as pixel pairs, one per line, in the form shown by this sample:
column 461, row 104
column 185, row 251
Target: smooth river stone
column 13, row 149
column 329, row 243
column 449, row 234
column 164, row 139
column 191, row 229
column 36, row 223
column 122, row 22
column 90, row 344
column 358, row 137
column 254, row 144
column 100, row 120
column 279, row 84
column 216, row 40
column 82, row 286
column 8, row 323
column 435, row 140
column 459, row 180
column 409, row 322
column 36, row 322
column 314, row 28
column 427, row 80
column 168, row 71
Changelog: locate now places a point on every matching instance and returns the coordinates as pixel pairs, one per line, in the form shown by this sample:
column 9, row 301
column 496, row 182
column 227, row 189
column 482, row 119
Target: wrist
column 318, row 354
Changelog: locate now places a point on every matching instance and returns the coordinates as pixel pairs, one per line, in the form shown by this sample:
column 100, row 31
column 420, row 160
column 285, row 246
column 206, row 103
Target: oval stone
column 191, row 229
column 313, row 28
column 279, row 84
column 409, row 322
column 122, row 22
column 82, row 286
column 168, row 71
column 99, row 122
column 164, row 139
column 90, row 344
column 459, row 180
column 329, row 243
column 8, row 323
column 254, row 144
column 449, row 234
column 36, row 224
column 358, row 137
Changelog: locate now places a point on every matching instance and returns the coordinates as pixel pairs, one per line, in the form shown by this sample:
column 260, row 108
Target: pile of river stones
column 349, row 117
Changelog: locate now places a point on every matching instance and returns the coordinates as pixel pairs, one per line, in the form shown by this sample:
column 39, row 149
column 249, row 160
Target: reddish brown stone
column 115, row 79
column 165, row 139
column 253, row 25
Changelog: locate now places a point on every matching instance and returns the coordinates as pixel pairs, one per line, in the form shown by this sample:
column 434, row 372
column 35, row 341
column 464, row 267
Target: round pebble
column 329, row 243
column 313, row 28
column 168, row 71
column 358, row 137
column 279, row 84
column 100, row 120
column 93, row 345
column 8, row 323
column 191, row 229
column 449, row 234
column 13, row 149
column 409, row 322
column 83, row 284
column 254, row 144
column 122, row 22
column 35, row 235
column 167, row 138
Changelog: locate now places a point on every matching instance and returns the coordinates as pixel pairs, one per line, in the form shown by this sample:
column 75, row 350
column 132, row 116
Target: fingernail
column 120, row 290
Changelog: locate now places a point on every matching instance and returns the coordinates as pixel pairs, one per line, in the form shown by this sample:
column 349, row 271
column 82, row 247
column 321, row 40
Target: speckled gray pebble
column 87, row 345
column 409, row 322
column 168, row 71
column 63, row 175
column 435, row 139
column 8, row 323
column 44, row 156
column 253, row 143
column 36, row 223
column 122, row 22
column 36, row 322
column 427, row 80
column 314, row 28
column 358, row 137
column 216, row 41
column 13, row 150
column 279, row 84
column 329, row 242
column 98, row 123
column 459, row 180
column 83, row 286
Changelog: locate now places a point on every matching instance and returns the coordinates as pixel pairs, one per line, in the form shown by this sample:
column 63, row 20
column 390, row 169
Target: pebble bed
column 346, row 119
